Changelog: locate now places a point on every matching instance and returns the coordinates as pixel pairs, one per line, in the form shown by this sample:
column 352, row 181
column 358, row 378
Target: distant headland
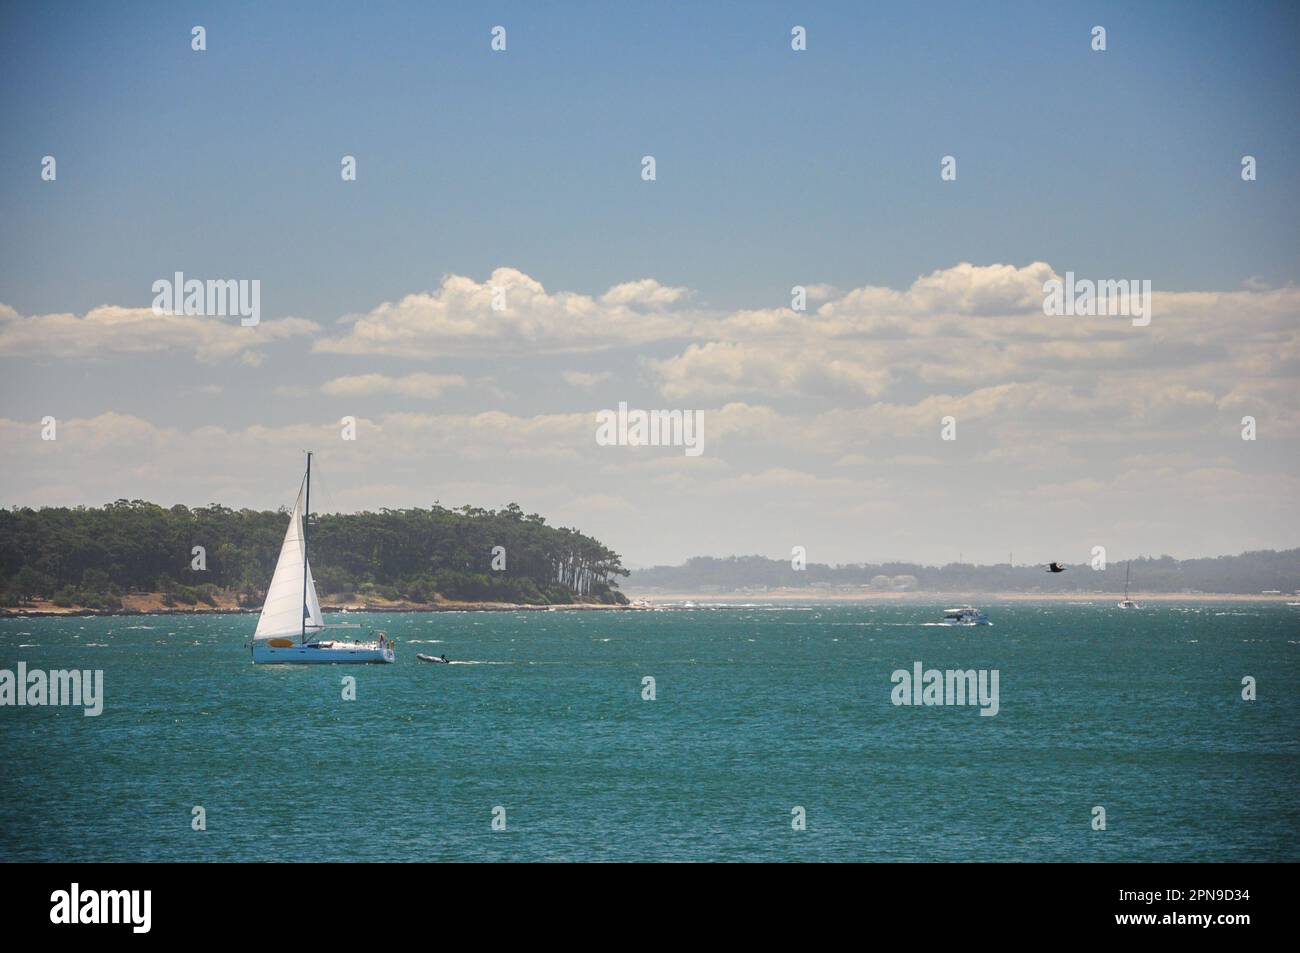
column 1265, row 574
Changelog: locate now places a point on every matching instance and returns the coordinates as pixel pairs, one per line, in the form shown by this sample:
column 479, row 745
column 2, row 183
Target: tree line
column 91, row 556
column 1247, row 573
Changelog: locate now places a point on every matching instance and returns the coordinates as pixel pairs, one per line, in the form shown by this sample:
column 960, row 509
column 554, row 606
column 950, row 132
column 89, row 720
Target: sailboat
column 1127, row 603
column 291, row 623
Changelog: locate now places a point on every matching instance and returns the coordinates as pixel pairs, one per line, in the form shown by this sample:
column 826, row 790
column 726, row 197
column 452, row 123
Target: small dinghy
column 433, row 658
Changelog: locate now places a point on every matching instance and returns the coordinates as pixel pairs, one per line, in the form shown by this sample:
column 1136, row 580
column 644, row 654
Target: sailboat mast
column 305, row 512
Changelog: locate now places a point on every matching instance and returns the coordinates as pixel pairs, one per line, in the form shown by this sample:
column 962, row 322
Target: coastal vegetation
column 92, row 556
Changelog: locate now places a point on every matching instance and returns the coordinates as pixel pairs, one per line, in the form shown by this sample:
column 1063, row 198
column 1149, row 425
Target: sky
column 518, row 174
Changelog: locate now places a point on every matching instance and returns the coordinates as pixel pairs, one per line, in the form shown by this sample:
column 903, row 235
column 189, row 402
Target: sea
column 710, row 733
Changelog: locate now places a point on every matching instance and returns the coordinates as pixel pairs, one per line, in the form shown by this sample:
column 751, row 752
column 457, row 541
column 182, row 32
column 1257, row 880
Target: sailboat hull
column 324, row 653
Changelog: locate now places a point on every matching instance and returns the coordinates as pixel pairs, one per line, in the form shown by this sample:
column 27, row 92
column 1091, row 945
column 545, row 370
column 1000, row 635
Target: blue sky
column 771, row 164
column 775, row 168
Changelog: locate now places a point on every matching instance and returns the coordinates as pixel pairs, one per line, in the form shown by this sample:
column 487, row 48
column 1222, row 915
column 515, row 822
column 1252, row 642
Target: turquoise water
column 758, row 710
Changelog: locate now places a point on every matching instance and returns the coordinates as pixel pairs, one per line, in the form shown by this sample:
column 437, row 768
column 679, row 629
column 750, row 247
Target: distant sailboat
column 291, row 618
column 1127, row 603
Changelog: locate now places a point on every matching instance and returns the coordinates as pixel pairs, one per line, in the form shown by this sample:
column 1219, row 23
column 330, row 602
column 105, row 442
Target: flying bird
column 1055, row 567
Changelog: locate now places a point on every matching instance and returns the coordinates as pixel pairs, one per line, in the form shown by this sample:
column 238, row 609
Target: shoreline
column 953, row 598
column 47, row 610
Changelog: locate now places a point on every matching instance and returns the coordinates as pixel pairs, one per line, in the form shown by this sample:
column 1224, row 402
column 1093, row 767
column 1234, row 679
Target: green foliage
column 132, row 546
column 70, row 596
column 29, row 583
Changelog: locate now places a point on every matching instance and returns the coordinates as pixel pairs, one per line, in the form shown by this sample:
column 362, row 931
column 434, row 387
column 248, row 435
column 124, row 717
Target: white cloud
column 419, row 386
column 972, row 327
column 459, row 318
column 827, row 423
column 724, row 369
column 586, row 380
column 112, row 330
column 646, row 293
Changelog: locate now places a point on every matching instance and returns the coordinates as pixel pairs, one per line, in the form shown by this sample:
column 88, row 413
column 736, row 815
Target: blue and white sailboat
column 291, row 623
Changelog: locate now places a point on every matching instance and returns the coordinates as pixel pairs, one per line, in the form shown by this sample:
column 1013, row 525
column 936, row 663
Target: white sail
column 314, row 619
column 284, row 609
column 292, row 606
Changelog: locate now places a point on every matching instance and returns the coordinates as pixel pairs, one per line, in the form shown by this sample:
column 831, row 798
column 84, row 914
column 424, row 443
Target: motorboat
column 964, row 615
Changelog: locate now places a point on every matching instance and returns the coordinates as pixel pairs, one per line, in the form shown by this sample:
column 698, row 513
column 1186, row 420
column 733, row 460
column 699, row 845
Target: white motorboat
column 964, row 615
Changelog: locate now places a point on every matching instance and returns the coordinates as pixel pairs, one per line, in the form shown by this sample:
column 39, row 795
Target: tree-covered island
column 94, row 557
